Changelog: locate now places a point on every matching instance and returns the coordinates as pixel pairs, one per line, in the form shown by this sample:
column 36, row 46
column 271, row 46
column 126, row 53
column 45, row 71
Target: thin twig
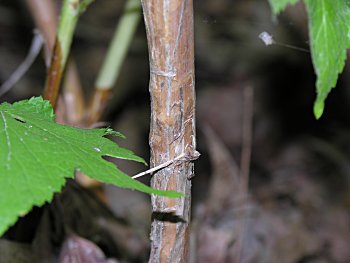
column 247, row 130
column 158, row 167
column 186, row 156
column 33, row 52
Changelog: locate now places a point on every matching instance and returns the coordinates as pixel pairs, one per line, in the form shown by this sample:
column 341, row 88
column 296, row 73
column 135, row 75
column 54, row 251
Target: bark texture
column 169, row 25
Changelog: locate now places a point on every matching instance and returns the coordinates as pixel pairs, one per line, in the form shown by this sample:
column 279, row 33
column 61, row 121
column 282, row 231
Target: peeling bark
column 169, row 26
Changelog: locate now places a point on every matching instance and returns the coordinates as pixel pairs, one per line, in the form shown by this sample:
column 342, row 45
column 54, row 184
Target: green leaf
column 37, row 154
column 329, row 26
column 279, row 5
column 329, row 30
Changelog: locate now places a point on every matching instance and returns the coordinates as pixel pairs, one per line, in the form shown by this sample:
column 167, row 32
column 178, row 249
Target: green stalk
column 115, row 56
column 68, row 20
column 119, row 46
column 71, row 10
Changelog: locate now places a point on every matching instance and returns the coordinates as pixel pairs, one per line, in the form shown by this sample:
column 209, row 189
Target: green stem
column 71, row 10
column 68, row 20
column 119, row 46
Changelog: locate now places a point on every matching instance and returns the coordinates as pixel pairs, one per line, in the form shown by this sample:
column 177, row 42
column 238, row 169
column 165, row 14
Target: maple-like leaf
column 37, row 154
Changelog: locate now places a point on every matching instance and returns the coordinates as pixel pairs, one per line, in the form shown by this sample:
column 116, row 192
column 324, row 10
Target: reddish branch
column 169, row 26
column 45, row 16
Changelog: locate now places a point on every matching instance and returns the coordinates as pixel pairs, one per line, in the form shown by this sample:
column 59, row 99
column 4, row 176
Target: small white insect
column 266, row 38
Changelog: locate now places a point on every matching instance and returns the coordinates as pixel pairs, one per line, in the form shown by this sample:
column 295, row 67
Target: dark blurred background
column 298, row 205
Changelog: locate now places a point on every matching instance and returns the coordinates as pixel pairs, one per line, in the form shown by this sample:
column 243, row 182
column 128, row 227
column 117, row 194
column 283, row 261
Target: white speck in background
column 266, row 38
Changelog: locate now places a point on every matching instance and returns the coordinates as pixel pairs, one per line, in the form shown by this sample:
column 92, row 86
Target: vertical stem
column 247, row 130
column 119, row 46
column 247, row 134
column 71, row 10
column 169, row 25
column 115, row 57
column 68, row 20
column 44, row 14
